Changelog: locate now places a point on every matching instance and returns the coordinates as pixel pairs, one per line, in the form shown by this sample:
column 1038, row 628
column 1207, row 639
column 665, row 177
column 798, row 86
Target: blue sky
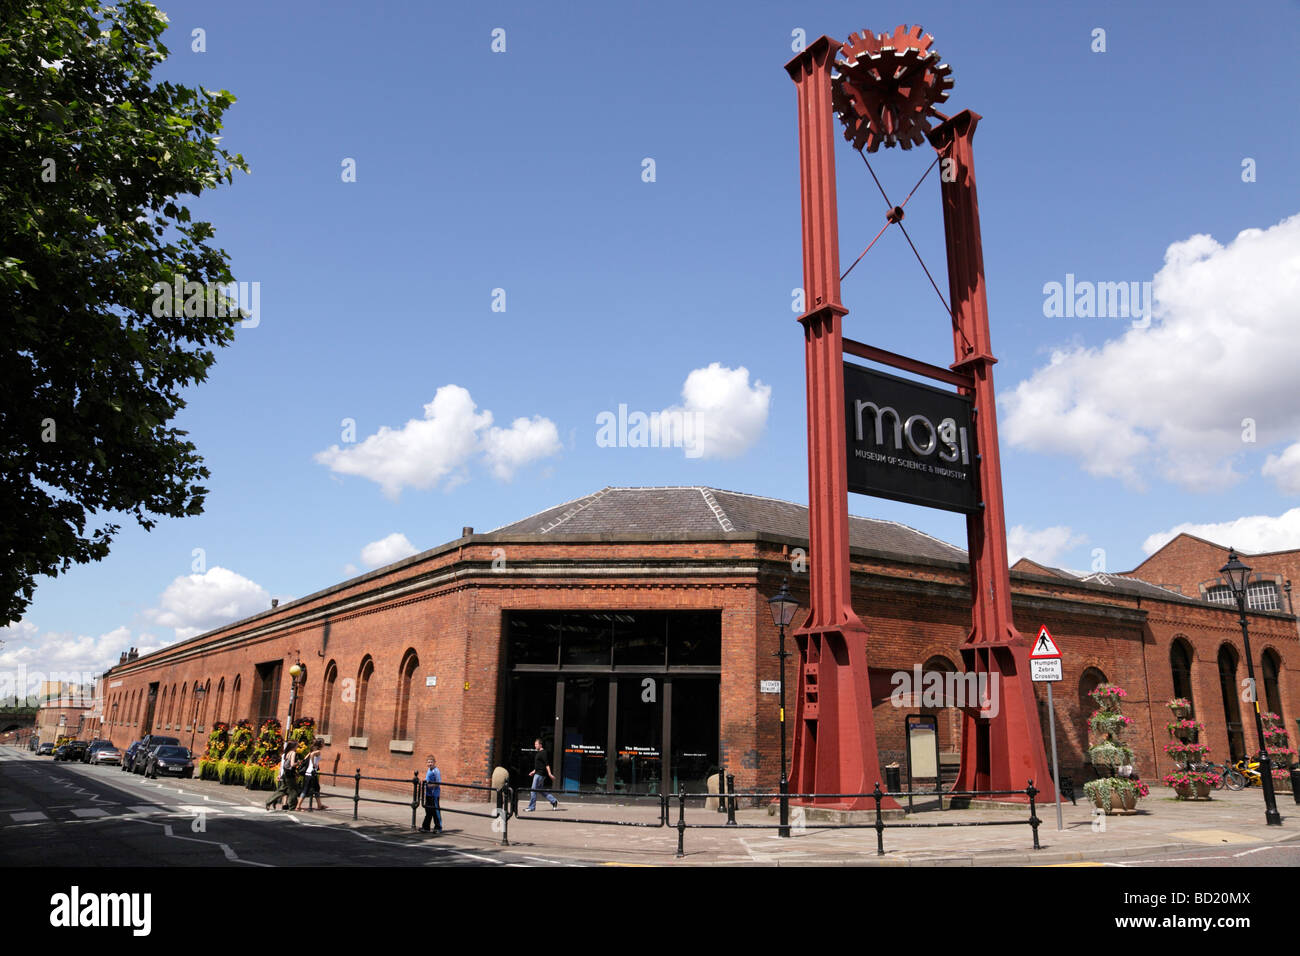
column 524, row 171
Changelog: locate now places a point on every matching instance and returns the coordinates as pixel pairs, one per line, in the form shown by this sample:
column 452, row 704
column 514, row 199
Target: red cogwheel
column 886, row 87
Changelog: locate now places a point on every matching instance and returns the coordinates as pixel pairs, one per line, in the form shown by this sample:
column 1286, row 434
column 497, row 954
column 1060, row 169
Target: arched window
column 1088, row 681
column 327, row 695
column 363, row 686
column 182, row 715
column 1180, row 664
column 1263, row 596
column 1231, row 702
column 162, row 709
column 947, row 717
column 405, row 675
column 221, row 699
column 234, row 701
column 1269, row 666
column 1220, row 594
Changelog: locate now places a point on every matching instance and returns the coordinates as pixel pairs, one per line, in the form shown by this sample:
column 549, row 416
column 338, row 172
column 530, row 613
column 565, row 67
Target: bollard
column 681, row 820
column 1033, row 816
column 731, row 799
column 356, row 797
column 503, row 808
column 415, row 796
column 880, row 821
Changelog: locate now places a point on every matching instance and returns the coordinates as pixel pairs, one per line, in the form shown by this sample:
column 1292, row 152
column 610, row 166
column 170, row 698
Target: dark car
column 72, row 750
column 147, row 746
column 128, row 758
column 94, row 745
column 45, row 748
column 169, row 761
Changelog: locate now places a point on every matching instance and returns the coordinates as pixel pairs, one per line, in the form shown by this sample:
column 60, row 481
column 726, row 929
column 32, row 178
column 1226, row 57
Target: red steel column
column 1000, row 752
column 834, row 736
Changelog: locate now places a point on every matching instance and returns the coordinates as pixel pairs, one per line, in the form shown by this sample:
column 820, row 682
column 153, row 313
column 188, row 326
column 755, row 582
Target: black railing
column 660, row 798
column 878, row 824
column 502, row 800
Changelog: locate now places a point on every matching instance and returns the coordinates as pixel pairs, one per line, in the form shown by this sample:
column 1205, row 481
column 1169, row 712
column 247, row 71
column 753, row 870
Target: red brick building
column 630, row 630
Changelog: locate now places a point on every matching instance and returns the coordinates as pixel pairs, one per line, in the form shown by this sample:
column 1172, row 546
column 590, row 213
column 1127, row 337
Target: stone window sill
column 359, row 743
column 401, row 746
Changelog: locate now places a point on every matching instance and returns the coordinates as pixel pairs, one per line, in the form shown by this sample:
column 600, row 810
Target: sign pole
column 1056, row 767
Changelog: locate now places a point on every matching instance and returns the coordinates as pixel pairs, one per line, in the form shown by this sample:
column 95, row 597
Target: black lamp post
column 1237, row 573
column 783, row 607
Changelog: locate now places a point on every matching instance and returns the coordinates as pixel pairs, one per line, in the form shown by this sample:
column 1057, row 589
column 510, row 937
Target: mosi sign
column 908, row 441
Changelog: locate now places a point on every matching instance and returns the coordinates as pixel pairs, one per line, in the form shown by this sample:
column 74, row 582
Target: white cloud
column 196, row 603
column 1043, row 545
column 439, row 447
column 1285, row 469
column 1171, row 398
column 30, row 656
column 1252, row 534
column 509, row 449
column 387, row 550
column 722, row 414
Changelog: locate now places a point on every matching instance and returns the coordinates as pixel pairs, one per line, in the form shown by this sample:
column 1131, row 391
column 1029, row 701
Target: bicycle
column 1228, row 777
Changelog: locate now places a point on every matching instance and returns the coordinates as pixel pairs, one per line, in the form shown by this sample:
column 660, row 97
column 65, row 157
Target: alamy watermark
column 194, row 299
column 672, row 428
column 1082, row 299
column 917, row 688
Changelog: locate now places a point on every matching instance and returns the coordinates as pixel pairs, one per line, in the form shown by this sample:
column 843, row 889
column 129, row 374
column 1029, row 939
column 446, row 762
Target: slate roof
column 675, row 510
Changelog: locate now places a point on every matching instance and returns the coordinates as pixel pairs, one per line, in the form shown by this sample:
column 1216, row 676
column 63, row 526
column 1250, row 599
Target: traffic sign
column 1044, row 646
column 1045, row 669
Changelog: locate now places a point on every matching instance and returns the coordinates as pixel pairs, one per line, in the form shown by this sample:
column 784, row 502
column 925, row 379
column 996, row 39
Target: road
column 75, row 815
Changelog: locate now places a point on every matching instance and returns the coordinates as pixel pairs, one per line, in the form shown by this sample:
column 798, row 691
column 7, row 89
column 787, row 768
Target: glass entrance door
column 639, row 732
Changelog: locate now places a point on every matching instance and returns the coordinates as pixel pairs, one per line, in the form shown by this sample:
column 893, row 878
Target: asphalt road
column 75, row 815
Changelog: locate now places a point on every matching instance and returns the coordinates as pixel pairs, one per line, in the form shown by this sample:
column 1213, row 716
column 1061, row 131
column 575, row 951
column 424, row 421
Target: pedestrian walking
column 311, row 777
column 286, row 783
column 541, row 774
column 432, row 793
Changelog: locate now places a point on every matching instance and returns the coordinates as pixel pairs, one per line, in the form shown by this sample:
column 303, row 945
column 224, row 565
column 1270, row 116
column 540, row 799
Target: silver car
column 108, row 754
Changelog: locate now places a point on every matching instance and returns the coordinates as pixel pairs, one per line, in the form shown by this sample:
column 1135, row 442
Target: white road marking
column 29, row 817
column 89, row 812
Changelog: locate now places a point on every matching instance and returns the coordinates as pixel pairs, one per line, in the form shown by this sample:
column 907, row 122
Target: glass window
column 535, row 637
column 1220, row 594
column 532, row 716
column 695, row 733
column 586, row 638
column 695, row 638
column 586, row 727
column 639, row 638
column 1262, row 596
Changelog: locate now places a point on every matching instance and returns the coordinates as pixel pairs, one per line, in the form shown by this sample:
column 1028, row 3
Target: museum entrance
column 624, row 702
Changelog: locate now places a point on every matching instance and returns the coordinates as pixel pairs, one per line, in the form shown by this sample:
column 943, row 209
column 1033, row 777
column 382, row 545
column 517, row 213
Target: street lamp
column 783, row 606
column 296, row 672
column 1237, row 573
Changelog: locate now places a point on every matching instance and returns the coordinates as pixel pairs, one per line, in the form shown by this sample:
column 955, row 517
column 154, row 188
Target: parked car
column 95, row 745
column 170, row 761
column 147, row 746
column 44, row 749
column 128, row 758
column 109, row 754
column 72, row 750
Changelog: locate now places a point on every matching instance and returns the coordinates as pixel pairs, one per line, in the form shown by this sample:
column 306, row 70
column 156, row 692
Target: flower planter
column 1202, row 790
column 1183, row 792
column 1127, row 799
column 1184, row 734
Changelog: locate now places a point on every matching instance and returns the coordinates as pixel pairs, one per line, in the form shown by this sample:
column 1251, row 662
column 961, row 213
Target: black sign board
column 908, row 441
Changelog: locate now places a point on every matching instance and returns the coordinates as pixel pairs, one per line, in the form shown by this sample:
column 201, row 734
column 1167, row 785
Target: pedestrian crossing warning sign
column 1044, row 646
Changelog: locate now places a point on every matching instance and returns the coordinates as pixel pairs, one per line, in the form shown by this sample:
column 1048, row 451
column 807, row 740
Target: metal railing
column 878, row 824
column 660, row 798
column 503, row 798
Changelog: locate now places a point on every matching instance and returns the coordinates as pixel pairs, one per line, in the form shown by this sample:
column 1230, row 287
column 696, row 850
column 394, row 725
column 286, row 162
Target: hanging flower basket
column 1181, row 706
column 1282, row 757
column 1185, row 752
column 1108, row 696
column 1183, row 728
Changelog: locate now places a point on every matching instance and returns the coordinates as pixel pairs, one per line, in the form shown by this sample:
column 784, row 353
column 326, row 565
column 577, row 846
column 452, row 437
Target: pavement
column 630, row 832
column 589, row 832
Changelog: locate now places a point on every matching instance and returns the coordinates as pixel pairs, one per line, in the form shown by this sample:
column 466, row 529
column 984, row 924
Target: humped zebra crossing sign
column 1045, row 658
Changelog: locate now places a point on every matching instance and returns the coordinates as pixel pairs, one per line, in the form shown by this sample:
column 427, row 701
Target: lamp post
column 783, row 606
column 1237, row 573
column 296, row 672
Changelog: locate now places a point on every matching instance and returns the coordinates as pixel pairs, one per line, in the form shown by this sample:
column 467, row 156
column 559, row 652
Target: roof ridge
column 585, row 503
column 717, row 509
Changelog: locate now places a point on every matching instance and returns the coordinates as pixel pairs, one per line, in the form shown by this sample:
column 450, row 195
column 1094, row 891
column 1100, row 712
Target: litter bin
column 1295, row 783
column 893, row 778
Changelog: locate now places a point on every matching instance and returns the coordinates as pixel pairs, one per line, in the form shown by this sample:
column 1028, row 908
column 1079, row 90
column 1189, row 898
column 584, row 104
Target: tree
column 94, row 158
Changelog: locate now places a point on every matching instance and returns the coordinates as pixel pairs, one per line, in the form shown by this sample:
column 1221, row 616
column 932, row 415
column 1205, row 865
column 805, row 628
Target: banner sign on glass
column 908, row 441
